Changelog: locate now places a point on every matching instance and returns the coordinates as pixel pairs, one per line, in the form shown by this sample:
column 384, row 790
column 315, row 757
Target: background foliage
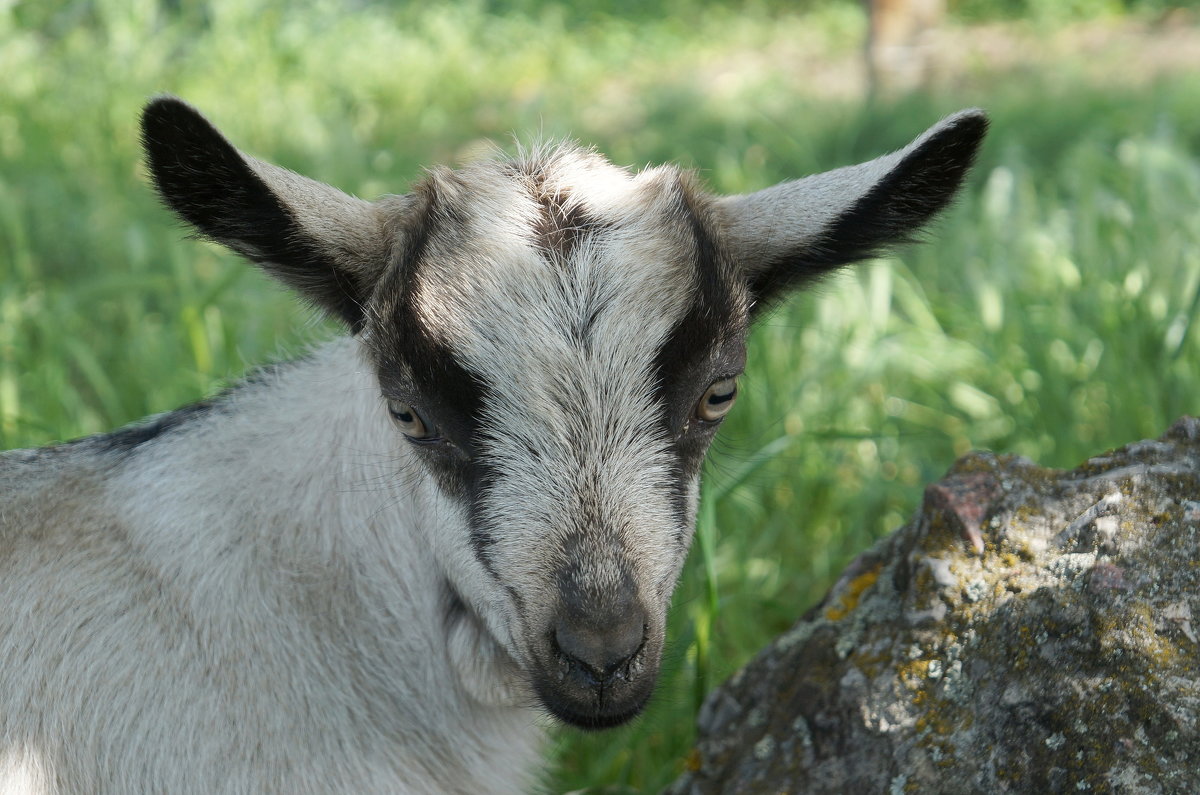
column 1051, row 315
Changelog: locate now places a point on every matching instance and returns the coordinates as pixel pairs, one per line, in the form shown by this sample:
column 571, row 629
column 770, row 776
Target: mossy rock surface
column 1031, row 630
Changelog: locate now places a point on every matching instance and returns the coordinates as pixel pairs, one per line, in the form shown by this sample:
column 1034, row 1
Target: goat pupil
column 716, row 399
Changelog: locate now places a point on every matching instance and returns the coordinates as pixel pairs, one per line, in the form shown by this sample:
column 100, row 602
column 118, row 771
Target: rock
column 1031, row 630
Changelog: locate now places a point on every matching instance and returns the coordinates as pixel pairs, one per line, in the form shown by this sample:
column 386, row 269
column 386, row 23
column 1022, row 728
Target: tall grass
column 1052, row 313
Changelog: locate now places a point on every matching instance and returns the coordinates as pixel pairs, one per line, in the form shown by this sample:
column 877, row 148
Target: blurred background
column 1050, row 314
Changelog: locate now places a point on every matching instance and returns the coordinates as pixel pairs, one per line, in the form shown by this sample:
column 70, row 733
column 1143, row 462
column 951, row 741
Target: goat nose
column 600, row 650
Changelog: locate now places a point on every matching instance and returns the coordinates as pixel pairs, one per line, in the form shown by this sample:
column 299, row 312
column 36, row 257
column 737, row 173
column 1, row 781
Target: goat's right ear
column 327, row 245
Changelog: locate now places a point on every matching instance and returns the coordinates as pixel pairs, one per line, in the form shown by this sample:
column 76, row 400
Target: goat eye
column 408, row 420
column 717, row 401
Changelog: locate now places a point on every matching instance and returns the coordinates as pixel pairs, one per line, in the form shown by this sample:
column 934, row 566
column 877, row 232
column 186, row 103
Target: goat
column 378, row 567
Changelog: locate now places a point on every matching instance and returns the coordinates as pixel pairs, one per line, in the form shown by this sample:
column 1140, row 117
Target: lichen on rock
column 1030, row 630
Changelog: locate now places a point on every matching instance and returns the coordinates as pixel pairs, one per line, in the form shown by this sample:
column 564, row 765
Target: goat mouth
column 583, row 701
column 596, row 709
column 595, row 721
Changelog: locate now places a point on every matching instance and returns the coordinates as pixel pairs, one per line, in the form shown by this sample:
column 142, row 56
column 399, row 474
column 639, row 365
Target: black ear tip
column 163, row 103
column 969, row 125
column 954, row 142
column 169, row 121
column 162, row 111
column 975, row 118
column 189, row 161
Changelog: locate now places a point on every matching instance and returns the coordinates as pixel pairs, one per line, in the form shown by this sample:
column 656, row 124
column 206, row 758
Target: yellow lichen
column 849, row 598
column 914, row 673
column 869, row 662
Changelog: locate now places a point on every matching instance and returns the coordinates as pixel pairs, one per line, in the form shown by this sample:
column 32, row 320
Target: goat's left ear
column 794, row 232
column 325, row 244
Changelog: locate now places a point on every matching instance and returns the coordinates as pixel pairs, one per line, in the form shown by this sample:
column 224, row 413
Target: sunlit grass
column 1051, row 315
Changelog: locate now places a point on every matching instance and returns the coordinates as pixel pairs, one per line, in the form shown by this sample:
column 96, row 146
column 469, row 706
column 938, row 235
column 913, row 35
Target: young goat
column 373, row 569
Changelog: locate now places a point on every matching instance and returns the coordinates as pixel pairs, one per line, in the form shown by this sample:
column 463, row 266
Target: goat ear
column 329, row 246
column 795, row 232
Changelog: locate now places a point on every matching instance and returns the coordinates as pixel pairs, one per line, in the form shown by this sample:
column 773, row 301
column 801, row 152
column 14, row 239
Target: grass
column 1051, row 314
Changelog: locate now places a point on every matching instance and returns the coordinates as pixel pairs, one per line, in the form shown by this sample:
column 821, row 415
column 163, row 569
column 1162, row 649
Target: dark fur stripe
column 562, row 226
column 707, row 342
column 446, row 393
column 132, row 437
column 125, row 441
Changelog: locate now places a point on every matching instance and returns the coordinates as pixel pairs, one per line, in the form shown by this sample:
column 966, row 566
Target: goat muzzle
column 598, row 668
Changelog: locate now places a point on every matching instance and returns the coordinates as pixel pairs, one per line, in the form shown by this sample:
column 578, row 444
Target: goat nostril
column 602, row 652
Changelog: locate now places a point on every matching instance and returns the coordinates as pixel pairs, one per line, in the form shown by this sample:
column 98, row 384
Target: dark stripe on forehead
column 562, row 225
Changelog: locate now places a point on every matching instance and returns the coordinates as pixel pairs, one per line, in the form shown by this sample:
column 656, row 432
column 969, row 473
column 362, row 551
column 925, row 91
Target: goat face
column 557, row 340
column 560, row 347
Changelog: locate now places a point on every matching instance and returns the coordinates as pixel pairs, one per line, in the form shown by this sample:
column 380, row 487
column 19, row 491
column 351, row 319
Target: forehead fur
column 557, row 249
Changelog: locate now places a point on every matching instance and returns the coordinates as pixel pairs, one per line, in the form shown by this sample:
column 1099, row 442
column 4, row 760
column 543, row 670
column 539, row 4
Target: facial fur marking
column 563, row 223
column 709, row 340
column 481, row 538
